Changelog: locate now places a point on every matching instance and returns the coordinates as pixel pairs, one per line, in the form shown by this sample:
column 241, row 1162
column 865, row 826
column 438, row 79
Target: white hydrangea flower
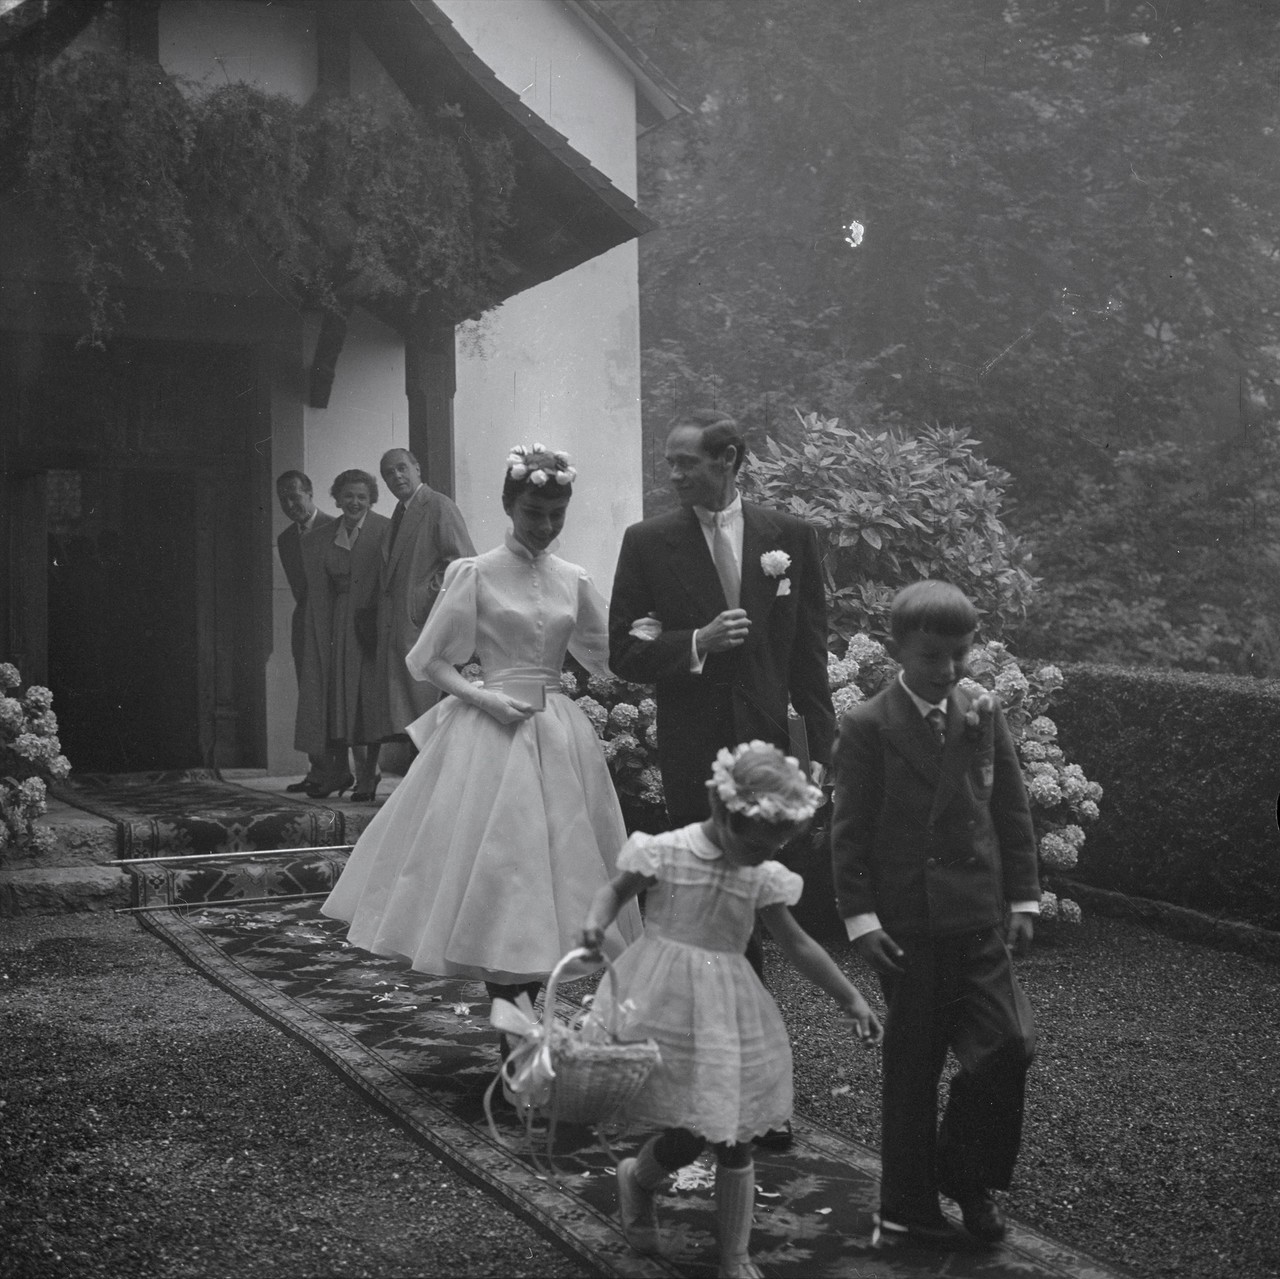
column 1050, row 675
column 1094, row 791
column 1069, row 911
column 1042, row 728
column 1012, row 685
column 594, row 712
column 1044, row 790
column 624, row 716
column 9, row 677
column 60, row 767
column 569, row 683
column 602, row 686
column 845, row 699
column 1048, row 905
column 651, row 737
column 651, row 785
column 1032, row 751
column 1089, row 810
column 38, row 697
column 12, row 716
column 862, row 649
column 1057, row 851
column 648, row 709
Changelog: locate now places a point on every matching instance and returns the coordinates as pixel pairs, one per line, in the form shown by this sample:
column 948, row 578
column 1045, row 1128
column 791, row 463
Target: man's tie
column 396, row 516
column 938, row 722
column 726, row 565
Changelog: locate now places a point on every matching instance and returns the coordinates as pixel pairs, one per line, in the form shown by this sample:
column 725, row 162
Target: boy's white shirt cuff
column 856, row 926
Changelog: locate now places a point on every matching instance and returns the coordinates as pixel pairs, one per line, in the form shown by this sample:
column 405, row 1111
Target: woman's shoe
column 367, row 796
column 322, row 790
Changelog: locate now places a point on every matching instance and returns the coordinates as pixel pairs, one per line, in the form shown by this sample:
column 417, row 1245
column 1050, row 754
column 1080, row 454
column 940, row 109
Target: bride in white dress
column 483, row 862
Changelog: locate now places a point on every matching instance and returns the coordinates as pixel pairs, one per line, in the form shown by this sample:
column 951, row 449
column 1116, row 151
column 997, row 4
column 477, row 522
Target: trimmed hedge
column 1190, row 766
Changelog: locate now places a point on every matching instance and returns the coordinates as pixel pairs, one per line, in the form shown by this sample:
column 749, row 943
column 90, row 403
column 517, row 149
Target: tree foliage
column 1069, row 241
column 340, row 201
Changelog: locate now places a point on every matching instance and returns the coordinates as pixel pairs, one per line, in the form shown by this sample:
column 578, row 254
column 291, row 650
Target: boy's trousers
column 958, row 993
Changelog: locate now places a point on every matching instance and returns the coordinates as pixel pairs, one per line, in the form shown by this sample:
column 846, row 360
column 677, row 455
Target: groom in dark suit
column 721, row 605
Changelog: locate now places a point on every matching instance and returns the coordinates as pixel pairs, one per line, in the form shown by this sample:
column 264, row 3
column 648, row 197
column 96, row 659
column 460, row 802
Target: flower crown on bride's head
column 774, row 789
column 540, row 466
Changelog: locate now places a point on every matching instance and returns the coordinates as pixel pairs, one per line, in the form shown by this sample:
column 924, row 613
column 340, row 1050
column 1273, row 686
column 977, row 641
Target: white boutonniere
column 980, row 710
column 775, row 564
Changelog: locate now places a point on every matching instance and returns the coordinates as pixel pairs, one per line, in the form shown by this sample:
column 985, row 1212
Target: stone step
column 75, row 874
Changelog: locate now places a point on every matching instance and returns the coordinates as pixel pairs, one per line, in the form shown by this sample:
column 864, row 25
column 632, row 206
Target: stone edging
column 1190, row 925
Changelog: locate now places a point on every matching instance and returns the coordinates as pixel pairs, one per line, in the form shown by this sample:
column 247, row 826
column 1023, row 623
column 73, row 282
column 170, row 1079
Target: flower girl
column 725, row 1074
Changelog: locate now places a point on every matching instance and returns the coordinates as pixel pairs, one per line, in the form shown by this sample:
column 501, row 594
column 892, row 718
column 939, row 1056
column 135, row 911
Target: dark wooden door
column 137, row 523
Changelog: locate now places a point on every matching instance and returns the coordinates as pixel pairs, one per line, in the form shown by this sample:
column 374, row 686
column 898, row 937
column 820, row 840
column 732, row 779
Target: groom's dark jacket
column 665, row 570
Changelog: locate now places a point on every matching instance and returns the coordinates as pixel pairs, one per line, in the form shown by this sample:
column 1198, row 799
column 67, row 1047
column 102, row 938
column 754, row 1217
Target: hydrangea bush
column 30, row 757
column 1063, row 799
column 625, row 718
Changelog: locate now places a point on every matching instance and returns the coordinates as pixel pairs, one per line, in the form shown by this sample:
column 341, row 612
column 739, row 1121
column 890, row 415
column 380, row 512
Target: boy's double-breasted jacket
column 935, row 840
column 665, row 571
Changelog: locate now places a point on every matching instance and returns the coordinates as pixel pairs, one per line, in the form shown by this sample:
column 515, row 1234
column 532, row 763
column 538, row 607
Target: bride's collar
column 516, row 547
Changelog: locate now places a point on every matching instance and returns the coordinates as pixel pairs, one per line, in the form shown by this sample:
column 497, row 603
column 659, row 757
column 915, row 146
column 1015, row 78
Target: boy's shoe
column 982, row 1216
column 932, row 1229
column 637, row 1210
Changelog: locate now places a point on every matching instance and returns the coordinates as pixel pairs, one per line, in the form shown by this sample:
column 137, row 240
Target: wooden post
column 430, row 374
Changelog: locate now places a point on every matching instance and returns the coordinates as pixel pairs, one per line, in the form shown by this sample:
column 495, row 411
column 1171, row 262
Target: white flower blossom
column 648, row 709
column 1089, row 810
column 1044, row 790
column 1032, row 752
column 1069, row 911
column 845, row 699
column 1048, row 905
column 1057, row 852
column 9, row 677
column 624, row 716
column 569, row 683
column 1042, row 728
column 1012, row 685
column 12, row 716
column 602, row 686
column 775, row 563
column 38, row 698
column 594, row 712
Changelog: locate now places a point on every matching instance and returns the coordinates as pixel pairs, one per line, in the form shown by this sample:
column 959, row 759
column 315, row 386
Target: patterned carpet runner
column 421, row 1049
column 195, row 811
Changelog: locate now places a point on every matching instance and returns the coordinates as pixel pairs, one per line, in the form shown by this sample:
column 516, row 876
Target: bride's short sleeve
column 778, row 884
column 642, row 854
column 450, row 632
column 589, row 642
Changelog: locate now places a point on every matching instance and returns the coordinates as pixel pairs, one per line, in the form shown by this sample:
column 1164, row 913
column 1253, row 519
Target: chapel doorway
column 137, row 526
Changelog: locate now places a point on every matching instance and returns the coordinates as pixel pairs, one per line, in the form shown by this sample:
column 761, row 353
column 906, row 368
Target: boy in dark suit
column 934, row 859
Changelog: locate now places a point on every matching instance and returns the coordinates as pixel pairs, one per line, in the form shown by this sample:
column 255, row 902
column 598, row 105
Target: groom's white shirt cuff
column 856, row 926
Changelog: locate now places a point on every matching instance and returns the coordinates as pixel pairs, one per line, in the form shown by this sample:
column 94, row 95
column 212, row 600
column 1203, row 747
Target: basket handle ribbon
column 528, row 1070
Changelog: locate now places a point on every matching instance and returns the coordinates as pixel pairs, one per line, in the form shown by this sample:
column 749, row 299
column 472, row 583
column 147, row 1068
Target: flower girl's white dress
column 483, row 861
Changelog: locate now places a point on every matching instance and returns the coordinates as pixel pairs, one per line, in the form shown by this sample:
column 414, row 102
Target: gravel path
column 152, row 1126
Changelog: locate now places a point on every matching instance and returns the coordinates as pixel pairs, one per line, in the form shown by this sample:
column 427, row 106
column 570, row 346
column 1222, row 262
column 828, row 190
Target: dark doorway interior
column 137, row 530
column 123, row 618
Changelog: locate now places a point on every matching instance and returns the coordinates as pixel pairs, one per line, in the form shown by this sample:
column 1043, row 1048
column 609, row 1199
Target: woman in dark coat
column 337, row 684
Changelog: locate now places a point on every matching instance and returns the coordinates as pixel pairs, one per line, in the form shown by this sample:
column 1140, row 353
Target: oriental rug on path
column 421, row 1049
column 194, row 811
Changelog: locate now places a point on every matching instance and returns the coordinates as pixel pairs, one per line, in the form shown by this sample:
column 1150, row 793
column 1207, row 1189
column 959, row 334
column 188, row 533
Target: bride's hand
column 506, row 710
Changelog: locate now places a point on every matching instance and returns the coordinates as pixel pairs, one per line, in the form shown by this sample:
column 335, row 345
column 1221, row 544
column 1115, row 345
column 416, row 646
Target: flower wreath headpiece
column 767, row 807
column 540, row 465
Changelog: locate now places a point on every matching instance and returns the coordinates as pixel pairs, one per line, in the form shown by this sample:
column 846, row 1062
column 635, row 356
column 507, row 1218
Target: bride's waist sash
column 525, row 683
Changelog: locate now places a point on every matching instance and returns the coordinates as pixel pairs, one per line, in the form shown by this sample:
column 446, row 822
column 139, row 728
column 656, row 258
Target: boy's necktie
column 938, row 722
column 726, row 564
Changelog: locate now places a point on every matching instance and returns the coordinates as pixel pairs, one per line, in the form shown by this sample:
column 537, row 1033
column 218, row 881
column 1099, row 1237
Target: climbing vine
column 342, row 201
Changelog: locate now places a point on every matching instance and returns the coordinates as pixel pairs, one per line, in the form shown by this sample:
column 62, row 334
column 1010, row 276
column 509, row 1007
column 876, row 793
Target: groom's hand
column 727, row 630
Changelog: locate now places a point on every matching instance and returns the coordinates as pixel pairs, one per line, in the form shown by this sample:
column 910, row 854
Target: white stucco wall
column 542, row 52
column 558, row 365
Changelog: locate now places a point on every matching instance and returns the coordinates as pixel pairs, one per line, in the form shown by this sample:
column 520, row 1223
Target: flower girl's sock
column 639, row 1179
column 735, row 1204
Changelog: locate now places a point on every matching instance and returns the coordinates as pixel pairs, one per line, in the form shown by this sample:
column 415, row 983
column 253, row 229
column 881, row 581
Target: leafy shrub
column 30, row 756
column 1189, row 763
column 893, row 509
column 1170, row 559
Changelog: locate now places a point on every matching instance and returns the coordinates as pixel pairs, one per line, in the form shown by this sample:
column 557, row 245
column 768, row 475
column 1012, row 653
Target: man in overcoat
column 296, row 496
column 427, row 534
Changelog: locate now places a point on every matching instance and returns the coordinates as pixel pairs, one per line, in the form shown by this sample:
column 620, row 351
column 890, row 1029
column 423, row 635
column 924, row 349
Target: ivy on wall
column 342, row 201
